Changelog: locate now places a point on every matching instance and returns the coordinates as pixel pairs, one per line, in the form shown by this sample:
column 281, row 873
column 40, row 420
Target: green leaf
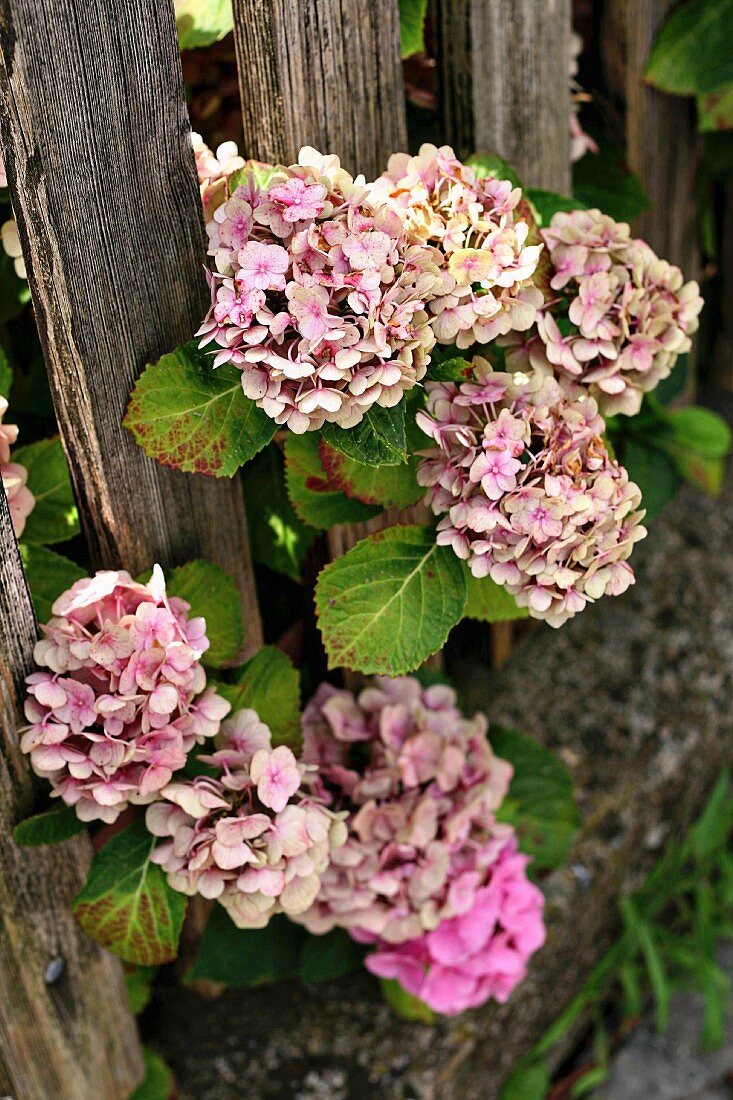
column 491, row 164
column 326, row 957
column 313, row 497
column 187, row 415
column 701, row 430
column 54, row 517
column 213, row 593
column 711, row 830
column 158, row 1083
column 412, row 26
column 242, row 957
column 127, row 905
column 404, row 1004
column 277, row 536
column 527, row 1083
column 139, row 986
column 387, row 486
column 269, row 684
column 643, row 933
column 605, row 181
column 547, row 203
column 693, row 52
column 490, row 602
column 655, row 474
column 6, row 375
column 49, row 574
column 390, row 602
column 540, row 804
column 51, row 827
column 202, row 22
column 673, row 385
column 715, row 110
column 379, row 440
column 455, row 369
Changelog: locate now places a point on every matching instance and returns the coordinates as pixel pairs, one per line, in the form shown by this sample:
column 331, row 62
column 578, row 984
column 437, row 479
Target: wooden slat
column 101, row 173
column 324, row 73
column 73, row 1036
column 504, row 83
column 661, row 144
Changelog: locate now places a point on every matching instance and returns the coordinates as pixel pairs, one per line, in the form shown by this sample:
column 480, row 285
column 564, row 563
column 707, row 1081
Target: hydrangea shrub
column 422, row 337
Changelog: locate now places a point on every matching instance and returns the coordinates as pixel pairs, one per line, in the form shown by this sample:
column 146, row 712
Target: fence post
column 661, row 144
column 66, row 1030
column 503, row 68
column 324, row 73
column 101, row 173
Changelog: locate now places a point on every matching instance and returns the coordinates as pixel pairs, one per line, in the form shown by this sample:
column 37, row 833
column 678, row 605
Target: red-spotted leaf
column 187, row 415
column 316, row 501
column 388, row 486
column 127, row 905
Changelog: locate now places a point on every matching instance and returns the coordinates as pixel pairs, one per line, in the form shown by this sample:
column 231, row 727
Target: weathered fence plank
column 661, row 144
column 323, row 73
column 101, row 173
column 66, row 1030
column 503, row 68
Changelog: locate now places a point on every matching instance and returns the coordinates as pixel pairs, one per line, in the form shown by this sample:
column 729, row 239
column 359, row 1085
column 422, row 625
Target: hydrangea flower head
column 317, row 295
column 528, row 491
column 477, row 955
column 629, row 316
column 475, row 221
column 14, row 476
column 421, row 786
column 252, row 836
column 121, row 698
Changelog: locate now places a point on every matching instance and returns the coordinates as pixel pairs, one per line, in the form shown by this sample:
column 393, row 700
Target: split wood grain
column 96, row 141
column 325, row 73
column 66, row 1029
column 503, row 68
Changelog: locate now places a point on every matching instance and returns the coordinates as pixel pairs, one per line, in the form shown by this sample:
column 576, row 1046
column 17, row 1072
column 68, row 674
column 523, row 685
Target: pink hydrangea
column 580, row 142
column 527, row 490
column 475, row 221
column 317, row 295
column 478, row 955
column 628, row 313
column 252, row 836
column 421, row 786
column 214, row 171
column 122, row 697
column 14, row 476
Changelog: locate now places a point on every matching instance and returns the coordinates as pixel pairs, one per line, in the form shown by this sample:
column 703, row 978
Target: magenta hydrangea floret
column 421, row 786
column 475, row 221
column 527, row 491
column 627, row 314
column 14, row 476
column 479, row 955
column 122, row 696
column 317, row 295
column 252, row 836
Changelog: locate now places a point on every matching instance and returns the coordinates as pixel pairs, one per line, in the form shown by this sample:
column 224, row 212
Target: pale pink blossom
column 481, row 953
column 122, row 697
column 527, row 492
column 14, row 476
column 421, row 787
column 252, row 835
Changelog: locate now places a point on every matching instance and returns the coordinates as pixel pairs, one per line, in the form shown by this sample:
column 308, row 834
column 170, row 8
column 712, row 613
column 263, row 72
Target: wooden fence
column 95, row 137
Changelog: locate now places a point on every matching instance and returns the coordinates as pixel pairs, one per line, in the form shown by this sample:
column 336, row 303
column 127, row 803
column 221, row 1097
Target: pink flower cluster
column 630, row 315
column 528, row 492
column 252, row 837
column 479, row 954
column 421, row 786
column 14, row 476
column 124, row 697
column 214, row 171
column 487, row 263
column 317, row 296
